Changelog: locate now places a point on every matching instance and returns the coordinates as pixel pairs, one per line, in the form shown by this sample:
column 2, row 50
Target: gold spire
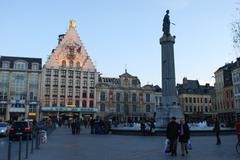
column 72, row 23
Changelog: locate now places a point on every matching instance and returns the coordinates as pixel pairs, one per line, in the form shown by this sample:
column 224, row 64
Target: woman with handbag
column 184, row 136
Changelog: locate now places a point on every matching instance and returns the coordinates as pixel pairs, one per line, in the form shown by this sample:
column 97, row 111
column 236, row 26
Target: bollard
column 20, row 148
column 37, row 140
column 31, row 143
column 26, row 155
column 9, row 150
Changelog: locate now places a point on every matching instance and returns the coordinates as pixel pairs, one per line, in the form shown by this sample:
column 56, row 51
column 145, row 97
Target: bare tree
column 236, row 30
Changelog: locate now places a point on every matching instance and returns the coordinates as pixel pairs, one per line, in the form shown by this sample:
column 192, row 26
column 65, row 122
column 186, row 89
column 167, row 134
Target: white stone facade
column 69, row 78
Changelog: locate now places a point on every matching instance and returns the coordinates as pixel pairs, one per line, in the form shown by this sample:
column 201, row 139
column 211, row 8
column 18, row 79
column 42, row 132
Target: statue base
column 165, row 113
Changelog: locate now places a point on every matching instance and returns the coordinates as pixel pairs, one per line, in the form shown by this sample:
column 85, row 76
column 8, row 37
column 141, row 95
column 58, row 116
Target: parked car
column 4, row 128
column 21, row 128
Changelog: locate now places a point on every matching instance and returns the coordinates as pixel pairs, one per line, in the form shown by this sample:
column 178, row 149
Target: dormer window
column 35, row 66
column 5, row 64
column 20, row 65
column 63, row 63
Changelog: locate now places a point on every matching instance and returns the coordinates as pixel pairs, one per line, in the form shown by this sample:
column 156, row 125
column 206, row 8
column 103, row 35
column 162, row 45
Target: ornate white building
column 68, row 79
column 123, row 98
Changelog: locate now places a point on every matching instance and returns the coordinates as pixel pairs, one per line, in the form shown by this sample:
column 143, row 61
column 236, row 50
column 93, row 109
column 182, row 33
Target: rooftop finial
column 72, row 23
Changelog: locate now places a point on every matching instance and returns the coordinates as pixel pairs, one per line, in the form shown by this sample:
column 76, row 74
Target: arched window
column 102, row 107
column 71, row 63
column 64, row 63
column 78, row 64
column 20, row 65
column 84, row 103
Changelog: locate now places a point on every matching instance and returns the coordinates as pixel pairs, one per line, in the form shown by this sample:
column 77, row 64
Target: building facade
column 68, row 79
column 236, row 89
column 224, row 93
column 19, row 87
column 196, row 100
column 123, row 98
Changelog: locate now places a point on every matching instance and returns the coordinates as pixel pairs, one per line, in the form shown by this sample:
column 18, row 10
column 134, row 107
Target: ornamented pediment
column 70, row 52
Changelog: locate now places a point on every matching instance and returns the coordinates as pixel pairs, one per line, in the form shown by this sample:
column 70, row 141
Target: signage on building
column 67, row 109
column 32, row 114
column 19, row 110
column 17, row 101
column 3, row 102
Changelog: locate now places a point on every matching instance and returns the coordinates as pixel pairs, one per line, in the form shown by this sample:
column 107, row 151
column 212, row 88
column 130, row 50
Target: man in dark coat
column 172, row 135
column 216, row 129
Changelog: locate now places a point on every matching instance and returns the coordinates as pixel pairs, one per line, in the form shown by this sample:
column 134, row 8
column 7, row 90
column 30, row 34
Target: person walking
column 78, row 126
column 172, row 135
column 184, row 136
column 216, row 129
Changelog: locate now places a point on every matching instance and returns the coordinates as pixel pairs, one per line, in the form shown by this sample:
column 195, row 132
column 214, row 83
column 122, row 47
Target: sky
column 124, row 34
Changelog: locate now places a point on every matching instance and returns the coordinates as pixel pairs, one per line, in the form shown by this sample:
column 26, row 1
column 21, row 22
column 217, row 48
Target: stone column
column 169, row 106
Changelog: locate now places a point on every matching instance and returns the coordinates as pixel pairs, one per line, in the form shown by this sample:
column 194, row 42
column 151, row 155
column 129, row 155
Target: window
column 205, row 99
column 92, row 84
column 92, row 75
column 55, row 91
column 55, row 81
column 85, row 84
column 47, row 91
column 35, row 66
column 84, row 94
column 55, row 73
column 186, row 99
column 118, row 108
column 63, row 73
column 148, row 108
column 190, row 99
column 91, row 104
column 70, row 82
column 134, row 109
column 63, row 63
column 125, row 97
column 78, row 74
column 5, row 64
column 77, row 103
column 194, row 100
column 71, row 63
column 102, row 96
column 47, row 81
column 91, row 95
column 20, row 65
column 48, row 72
column 77, row 83
column 147, row 97
column 134, row 97
column 63, row 82
column 77, row 91
column 118, row 96
column 71, row 50
column 62, row 102
column 102, row 107
column 70, row 74
column 54, row 102
column 85, row 74
column 84, row 103
column 70, row 92
column 62, row 92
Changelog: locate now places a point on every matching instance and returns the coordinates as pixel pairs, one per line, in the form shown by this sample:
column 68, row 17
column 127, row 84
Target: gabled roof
column 71, row 50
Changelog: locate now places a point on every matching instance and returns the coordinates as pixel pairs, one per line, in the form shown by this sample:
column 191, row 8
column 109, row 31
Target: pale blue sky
column 120, row 33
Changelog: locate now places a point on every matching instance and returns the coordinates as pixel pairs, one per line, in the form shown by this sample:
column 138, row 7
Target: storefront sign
column 32, row 114
column 19, row 110
column 67, row 109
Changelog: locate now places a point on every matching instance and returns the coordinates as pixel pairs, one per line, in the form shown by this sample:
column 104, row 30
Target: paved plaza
column 62, row 145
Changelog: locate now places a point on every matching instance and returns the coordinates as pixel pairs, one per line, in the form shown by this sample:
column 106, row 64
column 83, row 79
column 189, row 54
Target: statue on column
column 166, row 24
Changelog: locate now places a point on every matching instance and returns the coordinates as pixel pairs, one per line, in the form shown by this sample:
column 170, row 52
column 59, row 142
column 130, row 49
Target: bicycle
column 238, row 144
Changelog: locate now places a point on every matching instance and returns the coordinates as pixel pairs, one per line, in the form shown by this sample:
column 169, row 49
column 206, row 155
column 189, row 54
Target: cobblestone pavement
column 64, row 146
